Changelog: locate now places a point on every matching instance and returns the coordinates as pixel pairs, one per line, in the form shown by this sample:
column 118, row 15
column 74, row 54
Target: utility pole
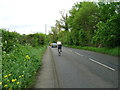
column 45, row 29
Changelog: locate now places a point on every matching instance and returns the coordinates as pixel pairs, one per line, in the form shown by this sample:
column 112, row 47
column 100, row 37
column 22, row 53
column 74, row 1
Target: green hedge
column 21, row 58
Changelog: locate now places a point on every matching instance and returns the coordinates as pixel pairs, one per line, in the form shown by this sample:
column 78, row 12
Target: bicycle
column 59, row 52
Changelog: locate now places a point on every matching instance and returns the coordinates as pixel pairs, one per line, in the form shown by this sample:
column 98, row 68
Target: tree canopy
column 90, row 24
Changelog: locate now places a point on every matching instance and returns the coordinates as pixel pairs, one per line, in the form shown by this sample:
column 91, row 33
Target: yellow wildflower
column 27, row 57
column 9, row 74
column 22, row 75
column 5, row 76
column 5, row 85
column 18, row 82
column 19, row 76
column 13, row 80
column 0, row 83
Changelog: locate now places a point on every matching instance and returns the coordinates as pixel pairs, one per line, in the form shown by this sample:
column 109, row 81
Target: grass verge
column 109, row 51
column 19, row 67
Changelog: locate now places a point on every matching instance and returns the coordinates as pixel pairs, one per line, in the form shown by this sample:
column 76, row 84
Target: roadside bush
column 9, row 40
column 34, row 40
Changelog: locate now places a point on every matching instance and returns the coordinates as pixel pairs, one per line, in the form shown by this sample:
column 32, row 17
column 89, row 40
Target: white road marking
column 79, row 54
column 102, row 64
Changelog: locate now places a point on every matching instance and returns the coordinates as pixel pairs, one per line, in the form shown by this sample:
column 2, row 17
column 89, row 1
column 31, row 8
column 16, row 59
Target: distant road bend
column 85, row 69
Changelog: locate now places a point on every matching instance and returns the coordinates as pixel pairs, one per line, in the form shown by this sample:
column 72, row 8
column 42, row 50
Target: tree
column 83, row 16
column 58, row 26
column 63, row 21
column 108, row 27
column 53, row 35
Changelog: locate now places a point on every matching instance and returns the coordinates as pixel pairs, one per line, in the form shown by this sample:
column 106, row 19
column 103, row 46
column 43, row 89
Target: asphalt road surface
column 77, row 68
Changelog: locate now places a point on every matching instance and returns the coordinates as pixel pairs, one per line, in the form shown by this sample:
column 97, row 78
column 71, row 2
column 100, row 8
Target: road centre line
column 102, row 64
column 79, row 54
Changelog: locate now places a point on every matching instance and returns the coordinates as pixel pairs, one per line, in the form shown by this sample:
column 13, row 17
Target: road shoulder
column 46, row 77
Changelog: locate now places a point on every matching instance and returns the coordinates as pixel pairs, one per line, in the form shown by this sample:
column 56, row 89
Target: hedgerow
column 20, row 60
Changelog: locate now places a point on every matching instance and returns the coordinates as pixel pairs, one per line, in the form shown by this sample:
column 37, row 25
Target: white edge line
column 102, row 64
column 79, row 54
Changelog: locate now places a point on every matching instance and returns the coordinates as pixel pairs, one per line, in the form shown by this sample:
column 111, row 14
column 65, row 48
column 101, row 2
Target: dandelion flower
column 18, row 82
column 13, row 80
column 0, row 83
column 5, row 85
column 9, row 74
column 19, row 76
column 5, row 76
column 27, row 57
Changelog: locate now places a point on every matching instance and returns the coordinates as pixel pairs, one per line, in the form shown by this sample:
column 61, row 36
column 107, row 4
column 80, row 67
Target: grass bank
column 109, row 51
column 19, row 67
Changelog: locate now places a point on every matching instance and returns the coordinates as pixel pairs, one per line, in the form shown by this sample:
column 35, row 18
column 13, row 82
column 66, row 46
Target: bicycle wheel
column 59, row 53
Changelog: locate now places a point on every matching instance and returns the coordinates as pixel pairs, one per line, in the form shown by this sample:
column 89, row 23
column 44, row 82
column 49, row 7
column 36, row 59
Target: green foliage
column 95, row 24
column 92, row 24
column 82, row 13
column 82, row 38
column 19, row 66
column 107, row 33
column 83, row 16
column 63, row 21
column 21, row 58
column 8, row 38
column 11, row 39
column 65, row 37
column 34, row 40
column 75, row 37
column 108, row 10
column 53, row 36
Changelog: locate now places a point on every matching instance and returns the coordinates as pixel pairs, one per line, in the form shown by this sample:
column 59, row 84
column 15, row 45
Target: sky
column 31, row 16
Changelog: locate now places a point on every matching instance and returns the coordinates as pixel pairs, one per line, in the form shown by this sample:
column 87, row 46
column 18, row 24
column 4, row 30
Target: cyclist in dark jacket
column 59, row 46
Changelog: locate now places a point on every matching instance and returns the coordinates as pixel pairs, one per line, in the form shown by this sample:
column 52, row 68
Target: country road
column 77, row 68
column 85, row 69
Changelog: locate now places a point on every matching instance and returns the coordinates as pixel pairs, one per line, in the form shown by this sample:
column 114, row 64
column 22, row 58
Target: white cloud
column 28, row 16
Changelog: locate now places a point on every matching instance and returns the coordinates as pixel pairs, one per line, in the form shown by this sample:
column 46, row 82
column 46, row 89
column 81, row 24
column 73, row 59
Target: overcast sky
column 30, row 16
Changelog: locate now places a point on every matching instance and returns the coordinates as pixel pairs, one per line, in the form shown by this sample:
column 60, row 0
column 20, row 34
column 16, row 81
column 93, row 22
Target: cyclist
column 59, row 46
